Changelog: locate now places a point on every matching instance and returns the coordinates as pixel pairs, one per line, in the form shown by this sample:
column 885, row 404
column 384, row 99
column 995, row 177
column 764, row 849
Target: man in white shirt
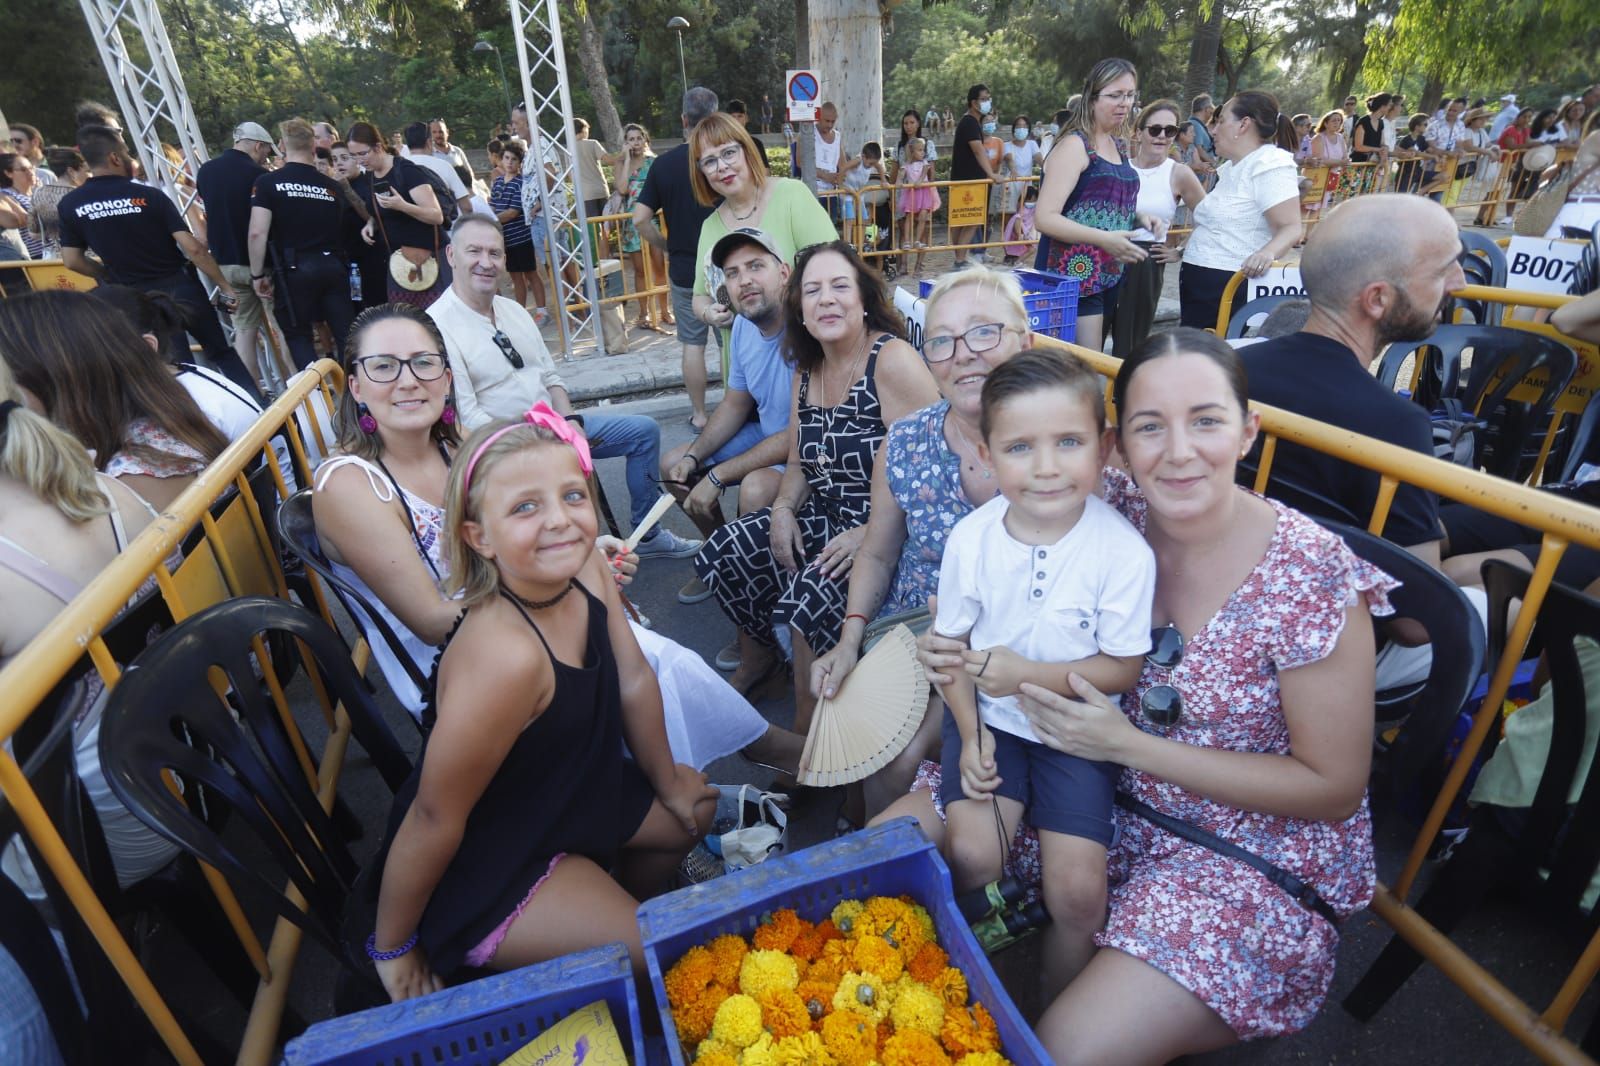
column 501, row 368
column 1446, row 128
column 441, row 148
column 1508, row 114
column 832, row 161
column 416, row 136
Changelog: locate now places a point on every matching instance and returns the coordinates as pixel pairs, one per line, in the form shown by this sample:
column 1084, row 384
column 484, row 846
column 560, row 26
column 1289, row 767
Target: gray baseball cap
column 738, row 239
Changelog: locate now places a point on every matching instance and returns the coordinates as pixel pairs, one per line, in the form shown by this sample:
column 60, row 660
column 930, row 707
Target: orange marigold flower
column 784, row 1013
column 952, row 985
column 928, row 963
column 872, row 954
column 727, row 954
column 688, row 977
column 885, row 1031
column 807, row 944
column 851, row 1037
column 817, row 997
column 969, row 1032
column 778, row 931
column 913, row 1048
column 693, row 1020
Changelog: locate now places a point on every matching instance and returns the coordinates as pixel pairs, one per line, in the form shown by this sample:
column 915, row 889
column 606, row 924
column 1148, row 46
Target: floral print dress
column 630, row 235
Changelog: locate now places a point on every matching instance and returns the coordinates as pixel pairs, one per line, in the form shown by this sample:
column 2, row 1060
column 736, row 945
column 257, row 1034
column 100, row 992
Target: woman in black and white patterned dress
column 788, row 564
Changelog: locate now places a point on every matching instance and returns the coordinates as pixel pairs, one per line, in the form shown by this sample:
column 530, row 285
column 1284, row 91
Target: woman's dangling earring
column 449, row 415
column 365, row 420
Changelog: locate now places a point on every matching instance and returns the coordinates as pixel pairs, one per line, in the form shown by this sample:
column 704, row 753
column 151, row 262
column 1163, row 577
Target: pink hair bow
column 540, row 414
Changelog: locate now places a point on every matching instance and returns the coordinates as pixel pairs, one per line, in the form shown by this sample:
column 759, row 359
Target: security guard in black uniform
column 296, row 219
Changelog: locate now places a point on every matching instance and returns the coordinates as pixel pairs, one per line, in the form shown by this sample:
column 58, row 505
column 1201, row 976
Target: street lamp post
column 678, row 24
column 505, row 89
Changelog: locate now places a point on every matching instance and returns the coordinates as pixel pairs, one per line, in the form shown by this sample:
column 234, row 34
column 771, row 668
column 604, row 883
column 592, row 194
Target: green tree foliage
column 953, row 52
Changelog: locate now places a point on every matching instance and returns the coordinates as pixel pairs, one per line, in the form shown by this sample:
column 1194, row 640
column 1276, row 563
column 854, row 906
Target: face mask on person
column 988, row 127
column 1019, row 132
column 985, row 106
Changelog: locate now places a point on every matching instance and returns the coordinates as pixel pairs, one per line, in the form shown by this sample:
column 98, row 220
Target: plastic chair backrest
column 1582, row 442
column 1300, row 497
column 165, row 716
column 1502, row 359
column 1440, row 356
column 1239, row 324
column 298, row 528
column 1484, row 263
column 1438, row 604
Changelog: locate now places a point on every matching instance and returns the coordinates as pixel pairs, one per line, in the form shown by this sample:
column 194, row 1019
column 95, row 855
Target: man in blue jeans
column 501, row 367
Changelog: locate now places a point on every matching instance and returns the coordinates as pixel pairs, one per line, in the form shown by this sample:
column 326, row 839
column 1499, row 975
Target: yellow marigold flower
column 923, row 919
column 984, row 1058
column 864, row 993
column 851, row 1037
column 807, row 1049
column 845, row 914
column 917, row 1007
column 928, row 963
column 762, row 971
column 952, row 985
column 693, row 1019
column 688, row 977
column 832, row 963
column 759, row 1053
column 738, row 1022
column 913, row 1048
column 872, row 954
column 967, row 1032
column 727, row 953
column 882, row 916
column 714, row 1053
column 784, row 1013
column 778, row 931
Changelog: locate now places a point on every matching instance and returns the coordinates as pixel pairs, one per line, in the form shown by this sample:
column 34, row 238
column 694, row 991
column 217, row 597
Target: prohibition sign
column 803, row 86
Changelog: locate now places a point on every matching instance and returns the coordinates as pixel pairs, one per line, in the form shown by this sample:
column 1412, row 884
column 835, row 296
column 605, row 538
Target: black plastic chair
column 1427, row 712
column 1516, row 844
column 1239, row 324
column 1301, row 497
column 1500, row 361
column 298, row 528
column 165, row 716
column 1484, row 263
column 26, row 938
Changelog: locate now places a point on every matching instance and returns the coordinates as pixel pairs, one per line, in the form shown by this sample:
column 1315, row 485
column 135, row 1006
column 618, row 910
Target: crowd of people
column 1112, row 619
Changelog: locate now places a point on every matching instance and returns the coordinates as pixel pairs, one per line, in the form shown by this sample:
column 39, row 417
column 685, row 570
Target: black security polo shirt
column 128, row 225
column 1320, row 378
column 224, row 185
column 667, row 189
column 306, row 208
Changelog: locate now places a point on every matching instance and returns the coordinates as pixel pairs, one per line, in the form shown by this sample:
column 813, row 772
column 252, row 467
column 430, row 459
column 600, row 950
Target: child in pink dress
column 1020, row 226
column 919, row 201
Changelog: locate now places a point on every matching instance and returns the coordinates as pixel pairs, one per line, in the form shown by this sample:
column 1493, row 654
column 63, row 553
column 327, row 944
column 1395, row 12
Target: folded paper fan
column 872, row 718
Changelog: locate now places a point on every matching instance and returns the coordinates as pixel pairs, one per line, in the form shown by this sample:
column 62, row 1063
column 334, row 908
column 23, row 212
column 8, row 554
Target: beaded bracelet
column 384, row 956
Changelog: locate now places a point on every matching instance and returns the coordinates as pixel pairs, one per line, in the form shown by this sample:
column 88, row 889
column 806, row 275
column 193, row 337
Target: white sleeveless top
column 1155, row 196
column 428, row 522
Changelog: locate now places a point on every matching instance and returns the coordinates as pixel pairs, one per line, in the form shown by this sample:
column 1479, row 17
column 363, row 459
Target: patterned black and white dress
column 837, row 448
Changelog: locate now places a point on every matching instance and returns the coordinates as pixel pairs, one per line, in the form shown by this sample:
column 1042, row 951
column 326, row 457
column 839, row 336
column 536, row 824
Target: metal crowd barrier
column 236, row 558
column 1561, row 523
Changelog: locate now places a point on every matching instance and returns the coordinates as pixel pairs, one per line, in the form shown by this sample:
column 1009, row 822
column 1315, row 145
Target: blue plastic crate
column 888, row 860
column 480, row 1023
column 1050, row 299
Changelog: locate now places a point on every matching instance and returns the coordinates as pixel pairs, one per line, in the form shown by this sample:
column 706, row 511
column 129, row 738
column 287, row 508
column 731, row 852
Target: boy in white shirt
column 1043, row 582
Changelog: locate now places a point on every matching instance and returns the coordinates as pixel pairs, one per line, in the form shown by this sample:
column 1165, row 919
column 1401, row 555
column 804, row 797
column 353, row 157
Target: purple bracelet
column 384, row 956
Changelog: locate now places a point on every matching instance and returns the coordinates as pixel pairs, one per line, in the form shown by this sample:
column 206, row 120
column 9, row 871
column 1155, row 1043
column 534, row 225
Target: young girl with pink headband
column 523, row 799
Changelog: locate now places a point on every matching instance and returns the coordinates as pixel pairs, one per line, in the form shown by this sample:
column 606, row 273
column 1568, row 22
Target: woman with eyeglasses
column 1088, row 198
column 405, row 223
column 930, row 476
column 379, row 510
column 1250, row 728
column 1251, row 217
column 16, row 183
column 726, row 169
column 1163, row 182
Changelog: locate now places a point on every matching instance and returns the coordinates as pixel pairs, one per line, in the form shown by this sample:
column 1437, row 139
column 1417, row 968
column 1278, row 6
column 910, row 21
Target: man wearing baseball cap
column 224, row 184
column 746, row 439
column 1506, row 116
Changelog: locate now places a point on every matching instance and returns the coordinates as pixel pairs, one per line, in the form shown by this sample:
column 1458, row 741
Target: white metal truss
column 542, row 65
column 149, row 92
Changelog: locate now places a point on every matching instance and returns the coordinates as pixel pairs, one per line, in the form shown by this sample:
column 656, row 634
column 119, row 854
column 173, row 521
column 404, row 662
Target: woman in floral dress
column 1269, row 748
column 631, row 171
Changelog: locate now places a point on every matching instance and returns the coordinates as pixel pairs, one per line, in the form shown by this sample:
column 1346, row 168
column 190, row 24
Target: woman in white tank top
column 1163, row 182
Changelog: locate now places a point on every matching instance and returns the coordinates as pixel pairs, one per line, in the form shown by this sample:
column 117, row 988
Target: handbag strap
column 1298, row 890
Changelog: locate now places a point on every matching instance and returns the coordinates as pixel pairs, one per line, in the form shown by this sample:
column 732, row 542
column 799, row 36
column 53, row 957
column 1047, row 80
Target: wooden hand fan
column 872, row 718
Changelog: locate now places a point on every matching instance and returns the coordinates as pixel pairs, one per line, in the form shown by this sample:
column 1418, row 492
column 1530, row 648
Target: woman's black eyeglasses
column 1163, row 704
column 1162, row 131
column 508, row 349
column 980, row 338
column 382, row 369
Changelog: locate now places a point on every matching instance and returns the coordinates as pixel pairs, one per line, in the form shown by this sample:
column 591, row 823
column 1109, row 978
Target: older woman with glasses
column 1163, row 182
column 1246, row 741
column 16, row 184
column 727, row 170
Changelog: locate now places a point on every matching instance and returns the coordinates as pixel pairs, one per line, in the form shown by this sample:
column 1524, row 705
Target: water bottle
column 355, row 283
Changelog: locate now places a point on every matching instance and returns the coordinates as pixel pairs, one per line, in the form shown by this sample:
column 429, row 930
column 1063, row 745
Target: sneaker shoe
column 694, row 592
column 665, row 544
column 643, row 619
column 728, row 658
column 541, row 317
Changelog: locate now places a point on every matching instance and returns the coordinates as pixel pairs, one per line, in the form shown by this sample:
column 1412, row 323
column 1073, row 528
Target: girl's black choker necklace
column 540, row 605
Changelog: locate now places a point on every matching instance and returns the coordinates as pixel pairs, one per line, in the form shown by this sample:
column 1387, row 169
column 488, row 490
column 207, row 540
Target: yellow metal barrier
column 234, row 559
column 1561, row 522
column 49, row 274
